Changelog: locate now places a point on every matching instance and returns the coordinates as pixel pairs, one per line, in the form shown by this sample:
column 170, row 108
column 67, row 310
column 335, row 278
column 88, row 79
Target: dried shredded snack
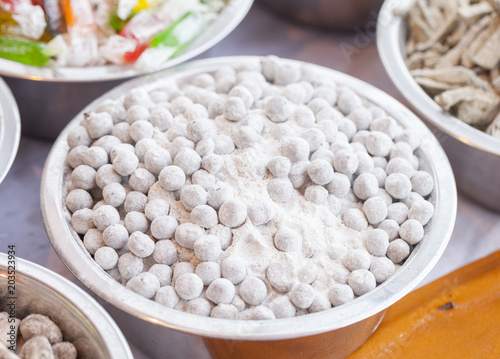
column 453, row 53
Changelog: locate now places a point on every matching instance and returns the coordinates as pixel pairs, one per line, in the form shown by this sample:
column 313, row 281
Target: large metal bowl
column 334, row 333
column 82, row 320
column 474, row 155
column 48, row 98
column 10, row 129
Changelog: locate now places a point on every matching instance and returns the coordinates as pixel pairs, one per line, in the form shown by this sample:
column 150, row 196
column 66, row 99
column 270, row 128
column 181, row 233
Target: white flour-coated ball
column 279, row 166
column 355, row 219
column 345, row 162
column 165, row 252
column 182, row 268
column 233, row 269
column 135, row 202
column 224, row 145
column 156, row 208
column 302, row 295
column 411, row 231
column 361, row 281
column 316, row 194
column 224, row 311
column 320, row 172
column 223, row 234
column 172, row 178
column 398, row 250
column 400, row 165
column 130, row 265
column 348, row 101
column 253, row 291
column 161, row 118
column 377, row 242
column 233, row 213
column 391, row 227
column 296, row 149
column 106, row 258
column 75, row 156
column 365, row 186
column 178, row 144
column 105, row 216
column 220, row 291
column 259, row 312
column 321, row 302
column 114, row 194
column 356, row 259
column 163, row 227
column 125, row 163
column 298, row 175
column 378, row 144
column 192, row 196
column 198, row 306
column 187, row 233
column 339, row 185
column 421, row 211
column 282, row 276
column 260, row 213
column 141, row 180
column 280, row 189
column 115, row 236
column 78, row 199
column 157, row 159
column 287, row 240
column 106, row 175
column 282, row 307
column 204, row 216
column 93, row 240
column 422, row 183
column 188, row 286
column 95, row 157
column 167, row 296
column 340, row 294
column 234, row 109
column 141, row 244
column 188, row 160
column 83, row 177
column 397, row 211
column 145, row 284
column 136, row 222
column 207, row 248
column 382, row 268
column 203, row 179
column 375, row 210
column 208, row 272
column 398, row 185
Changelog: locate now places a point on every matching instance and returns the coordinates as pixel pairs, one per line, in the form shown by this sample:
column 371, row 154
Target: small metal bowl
column 10, row 129
column 474, row 155
column 48, row 97
column 81, row 319
column 335, row 333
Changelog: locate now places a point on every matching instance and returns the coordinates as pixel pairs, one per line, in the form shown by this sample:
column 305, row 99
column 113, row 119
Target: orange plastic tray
column 456, row 316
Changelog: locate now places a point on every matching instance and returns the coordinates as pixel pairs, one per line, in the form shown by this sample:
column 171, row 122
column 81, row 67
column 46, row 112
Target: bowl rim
column 10, row 129
column 114, row 340
column 70, row 249
column 228, row 19
column 390, row 46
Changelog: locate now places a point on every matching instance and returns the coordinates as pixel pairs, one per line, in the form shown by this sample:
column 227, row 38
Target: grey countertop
column 261, row 33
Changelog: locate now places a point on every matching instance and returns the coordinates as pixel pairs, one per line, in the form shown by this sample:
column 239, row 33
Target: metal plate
column 10, row 129
column 70, row 249
column 227, row 20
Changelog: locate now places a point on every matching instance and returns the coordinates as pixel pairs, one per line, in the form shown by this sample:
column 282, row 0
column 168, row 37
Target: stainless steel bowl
column 334, row 333
column 474, row 155
column 10, row 129
column 48, row 98
column 331, row 14
column 82, row 320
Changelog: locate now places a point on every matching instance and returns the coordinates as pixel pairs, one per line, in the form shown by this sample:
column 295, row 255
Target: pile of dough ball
column 150, row 195
column 36, row 336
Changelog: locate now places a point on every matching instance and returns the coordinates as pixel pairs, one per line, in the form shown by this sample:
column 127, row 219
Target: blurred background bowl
column 47, row 98
column 329, row 14
column 10, row 129
column 81, row 319
column 474, row 155
column 164, row 332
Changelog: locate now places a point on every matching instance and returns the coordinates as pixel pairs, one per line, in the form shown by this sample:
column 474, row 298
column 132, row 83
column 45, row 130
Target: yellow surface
column 457, row 316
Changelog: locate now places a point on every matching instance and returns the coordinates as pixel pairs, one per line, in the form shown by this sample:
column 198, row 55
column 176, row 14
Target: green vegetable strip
column 23, row 51
column 181, row 32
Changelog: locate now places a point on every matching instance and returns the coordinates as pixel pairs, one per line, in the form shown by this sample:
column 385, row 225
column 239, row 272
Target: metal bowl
column 336, row 332
column 10, row 129
column 344, row 15
column 82, row 320
column 48, row 97
column 474, row 155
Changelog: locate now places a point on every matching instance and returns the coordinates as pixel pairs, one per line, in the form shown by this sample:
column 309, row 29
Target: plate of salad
column 98, row 40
